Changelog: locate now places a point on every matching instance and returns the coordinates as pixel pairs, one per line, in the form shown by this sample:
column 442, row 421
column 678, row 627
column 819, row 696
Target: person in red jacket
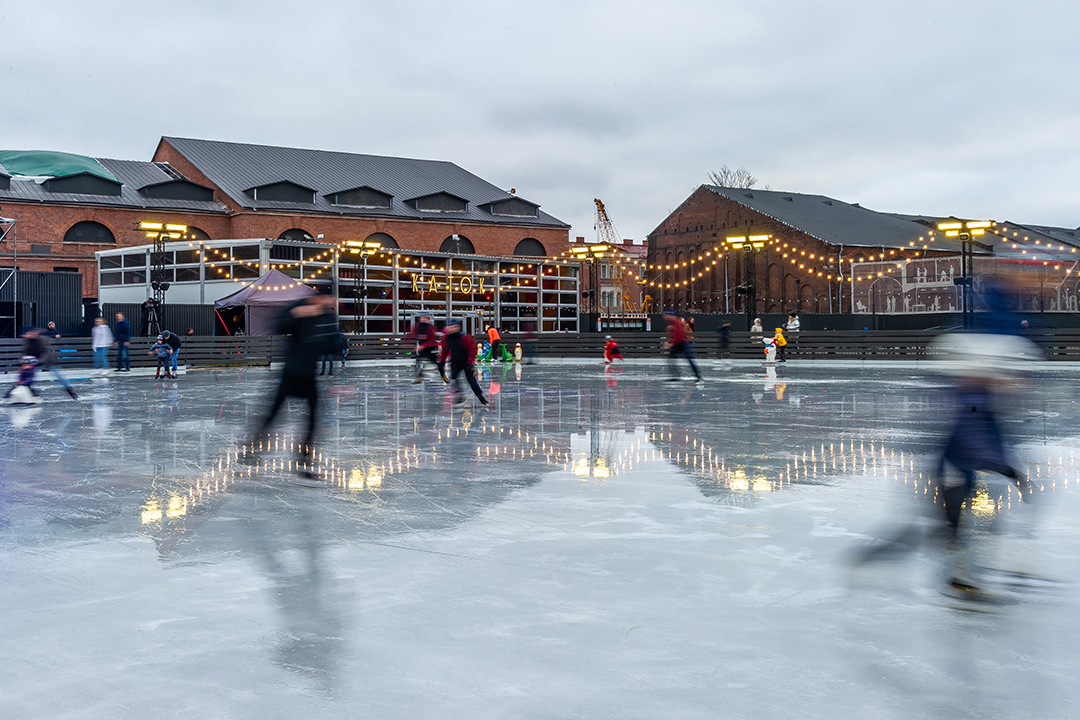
column 460, row 350
column 426, row 347
column 679, row 345
column 611, row 350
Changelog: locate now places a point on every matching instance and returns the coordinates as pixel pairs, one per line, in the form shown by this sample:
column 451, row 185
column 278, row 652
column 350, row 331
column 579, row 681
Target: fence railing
column 208, row 351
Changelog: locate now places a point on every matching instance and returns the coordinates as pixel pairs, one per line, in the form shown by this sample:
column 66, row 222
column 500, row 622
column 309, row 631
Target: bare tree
column 726, row 177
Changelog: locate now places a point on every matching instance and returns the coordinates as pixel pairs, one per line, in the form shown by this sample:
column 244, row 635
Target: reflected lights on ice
column 151, row 512
column 177, row 506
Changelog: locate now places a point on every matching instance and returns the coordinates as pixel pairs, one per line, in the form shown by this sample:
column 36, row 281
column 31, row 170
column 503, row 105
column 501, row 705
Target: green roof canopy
column 54, row 164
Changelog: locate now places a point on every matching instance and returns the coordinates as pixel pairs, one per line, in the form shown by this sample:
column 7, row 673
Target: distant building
column 69, row 206
column 733, row 250
column 618, row 275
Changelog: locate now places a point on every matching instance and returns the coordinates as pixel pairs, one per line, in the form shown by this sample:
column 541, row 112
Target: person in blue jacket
column 122, row 343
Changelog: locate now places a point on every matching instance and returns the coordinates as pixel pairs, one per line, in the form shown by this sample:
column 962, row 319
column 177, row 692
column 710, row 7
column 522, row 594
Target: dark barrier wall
column 937, row 321
column 45, row 296
column 176, row 318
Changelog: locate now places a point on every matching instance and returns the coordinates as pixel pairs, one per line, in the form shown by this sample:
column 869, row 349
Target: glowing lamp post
column 590, row 254
column 751, row 245
column 965, row 231
column 159, row 233
column 362, row 248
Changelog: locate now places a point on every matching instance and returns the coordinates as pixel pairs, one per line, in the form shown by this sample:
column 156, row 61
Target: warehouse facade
column 68, row 207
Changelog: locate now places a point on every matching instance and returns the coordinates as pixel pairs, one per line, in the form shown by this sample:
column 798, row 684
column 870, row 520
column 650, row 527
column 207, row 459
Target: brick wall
column 703, row 221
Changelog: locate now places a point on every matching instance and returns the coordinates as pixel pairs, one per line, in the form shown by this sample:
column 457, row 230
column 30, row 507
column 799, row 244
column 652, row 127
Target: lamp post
column 363, row 249
column 590, row 254
column 751, row 246
column 965, row 230
column 159, row 233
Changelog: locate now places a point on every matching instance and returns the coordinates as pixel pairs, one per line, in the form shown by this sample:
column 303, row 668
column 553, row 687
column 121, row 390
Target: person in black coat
column 173, row 341
column 312, row 331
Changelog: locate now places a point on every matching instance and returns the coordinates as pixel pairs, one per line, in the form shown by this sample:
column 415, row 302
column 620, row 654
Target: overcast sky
column 969, row 108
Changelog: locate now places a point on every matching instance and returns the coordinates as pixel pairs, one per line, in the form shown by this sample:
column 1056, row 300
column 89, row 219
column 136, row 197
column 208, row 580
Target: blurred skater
column 460, row 350
column 611, row 350
column 37, row 346
column 724, row 340
column 312, row 329
column 101, row 339
column 679, row 346
column 426, row 347
column 23, row 392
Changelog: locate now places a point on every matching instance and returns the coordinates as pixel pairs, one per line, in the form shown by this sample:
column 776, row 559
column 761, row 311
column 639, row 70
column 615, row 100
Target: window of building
column 83, row 184
column 457, row 245
column 362, row 197
column 439, row 202
column 605, row 271
column 513, row 207
column 66, row 269
column 530, row 247
column 89, row 231
column 284, row 191
column 177, row 190
column 295, row 234
column 195, row 233
column 383, row 239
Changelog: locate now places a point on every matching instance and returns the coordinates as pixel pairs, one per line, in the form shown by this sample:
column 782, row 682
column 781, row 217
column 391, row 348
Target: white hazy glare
column 966, row 108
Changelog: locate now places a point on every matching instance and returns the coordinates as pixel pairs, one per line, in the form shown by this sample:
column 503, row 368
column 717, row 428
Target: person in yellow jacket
column 781, row 343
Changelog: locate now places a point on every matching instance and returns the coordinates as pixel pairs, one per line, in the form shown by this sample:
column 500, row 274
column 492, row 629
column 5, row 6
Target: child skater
column 611, row 351
column 163, row 352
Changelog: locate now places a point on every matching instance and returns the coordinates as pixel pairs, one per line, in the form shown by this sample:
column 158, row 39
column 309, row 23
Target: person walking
column 460, row 350
column 679, row 346
column 173, row 341
column 101, row 339
column 312, row 328
column 122, row 343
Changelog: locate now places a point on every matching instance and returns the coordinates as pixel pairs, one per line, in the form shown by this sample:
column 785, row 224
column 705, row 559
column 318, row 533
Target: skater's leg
column 275, row 408
column 60, row 377
column 471, row 377
column 313, row 419
column 689, row 355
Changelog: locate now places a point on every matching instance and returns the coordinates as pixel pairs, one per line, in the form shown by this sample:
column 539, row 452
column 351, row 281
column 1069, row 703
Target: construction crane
column 606, row 233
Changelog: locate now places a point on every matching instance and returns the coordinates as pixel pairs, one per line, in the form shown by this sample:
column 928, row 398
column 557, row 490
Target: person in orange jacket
column 496, row 342
column 781, row 343
column 611, row 350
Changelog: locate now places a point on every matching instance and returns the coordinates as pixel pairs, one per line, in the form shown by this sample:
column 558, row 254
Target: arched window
column 383, row 239
column 89, row 231
column 296, row 234
column 457, row 245
column 530, row 247
column 195, row 233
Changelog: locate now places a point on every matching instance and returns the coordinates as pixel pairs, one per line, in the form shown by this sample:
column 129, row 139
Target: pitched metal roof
column 830, row 220
column 237, row 167
column 134, row 174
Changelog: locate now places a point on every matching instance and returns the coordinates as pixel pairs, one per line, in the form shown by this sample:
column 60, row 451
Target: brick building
column 724, row 249
column 68, row 207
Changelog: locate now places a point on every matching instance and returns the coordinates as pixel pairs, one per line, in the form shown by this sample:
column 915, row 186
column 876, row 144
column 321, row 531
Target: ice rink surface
column 596, row 544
